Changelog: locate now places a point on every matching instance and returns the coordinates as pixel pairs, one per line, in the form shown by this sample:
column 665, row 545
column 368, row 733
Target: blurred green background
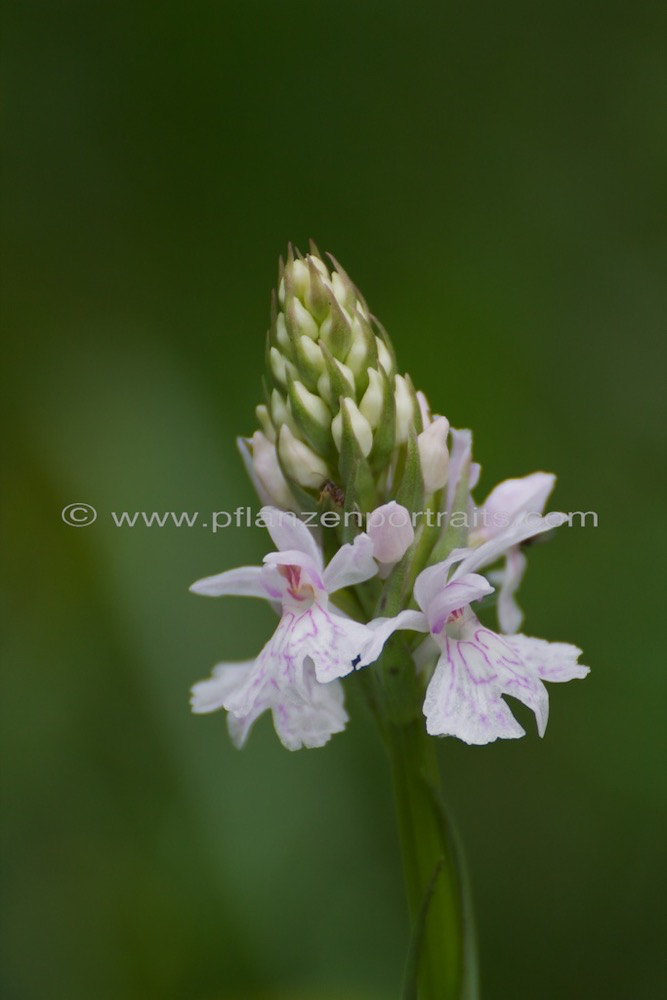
column 490, row 175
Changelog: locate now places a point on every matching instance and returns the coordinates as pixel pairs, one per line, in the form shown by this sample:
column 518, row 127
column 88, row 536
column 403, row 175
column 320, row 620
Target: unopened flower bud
column 264, row 418
column 300, row 321
column 280, row 413
column 391, row 531
column 312, row 404
column 345, row 379
column 300, row 462
column 311, row 355
column 300, row 278
column 360, row 427
column 384, row 356
column 424, row 408
column 434, row 454
column 261, row 461
column 405, row 411
column 282, row 336
column 373, row 400
column 281, row 367
column 311, row 416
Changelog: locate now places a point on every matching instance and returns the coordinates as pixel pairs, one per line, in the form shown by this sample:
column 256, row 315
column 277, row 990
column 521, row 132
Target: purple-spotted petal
column 475, row 671
column 332, row 642
column 552, row 661
column 283, row 680
column 289, row 532
column 516, row 677
column 246, row 581
column 352, row 564
column 463, row 699
column 381, row 628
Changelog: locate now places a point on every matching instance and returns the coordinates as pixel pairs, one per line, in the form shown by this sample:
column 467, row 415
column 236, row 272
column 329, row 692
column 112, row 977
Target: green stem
column 433, row 882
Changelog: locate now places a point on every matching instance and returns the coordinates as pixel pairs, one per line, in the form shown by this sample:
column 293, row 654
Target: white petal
column 510, row 615
column 525, row 526
column 382, row 628
column 246, row 581
column 459, row 456
column 464, row 697
column 552, row 661
column 310, row 720
column 289, row 532
column 211, row 694
column 261, row 462
column 283, row 680
column 432, row 580
column 516, row 676
column 426, row 653
column 463, row 701
column 334, row 643
column 352, row 564
column 455, row 595
column 516, row 496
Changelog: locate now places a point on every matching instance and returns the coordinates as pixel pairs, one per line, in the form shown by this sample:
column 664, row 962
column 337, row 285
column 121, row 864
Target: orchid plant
column 381, row 557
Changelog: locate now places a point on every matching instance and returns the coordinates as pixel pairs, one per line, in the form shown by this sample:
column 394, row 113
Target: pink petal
column 246, row 581
column 352, row 564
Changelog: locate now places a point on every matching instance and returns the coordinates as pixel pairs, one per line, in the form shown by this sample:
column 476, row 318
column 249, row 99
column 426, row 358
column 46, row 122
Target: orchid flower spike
column 296, row 675
column 476, row 666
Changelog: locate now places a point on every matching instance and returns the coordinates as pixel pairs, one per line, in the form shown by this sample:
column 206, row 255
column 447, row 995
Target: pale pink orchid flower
column 476, row 666
column 296, row 675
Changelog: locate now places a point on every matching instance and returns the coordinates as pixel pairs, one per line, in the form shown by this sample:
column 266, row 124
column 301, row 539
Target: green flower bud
column 361, row 428
column 264, row 419
column 281, row 368
column 336, row 381
column 310, row 355
column 299, row 462
column 384, row 356
column 373, row 400
column 434, row 454
column 280, row 413
column 405, row 411
column 311, row 416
